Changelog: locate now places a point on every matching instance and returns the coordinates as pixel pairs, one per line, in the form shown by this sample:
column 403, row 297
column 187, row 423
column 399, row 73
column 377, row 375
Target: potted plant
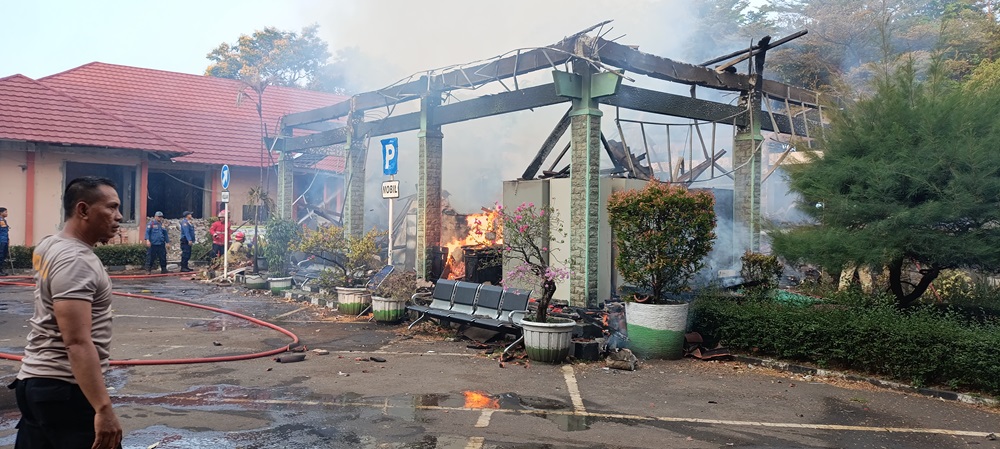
column 528, row 233
column 389, row 299
column 662, row 234
column 352, row 257
column 282, row 235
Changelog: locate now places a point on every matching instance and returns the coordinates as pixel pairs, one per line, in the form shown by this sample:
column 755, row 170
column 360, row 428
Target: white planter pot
column 279, row 284
column 388, row 310
column 352, row 301
column 255, row 282
column 656, row 331
column 548, row 342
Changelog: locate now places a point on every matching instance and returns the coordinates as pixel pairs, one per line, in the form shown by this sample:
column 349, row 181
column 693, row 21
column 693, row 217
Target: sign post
column 390, row 189
column 225, row 204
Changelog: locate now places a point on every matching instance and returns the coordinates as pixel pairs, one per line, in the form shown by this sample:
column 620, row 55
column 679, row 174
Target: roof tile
column 32, row 111
column 207, row 116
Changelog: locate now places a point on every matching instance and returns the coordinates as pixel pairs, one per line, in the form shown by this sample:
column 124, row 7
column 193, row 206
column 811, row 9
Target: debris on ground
column 318, row 351
column 623, row 359
column 694, row 347
column 377, row 359
column 215, row 343
column 290, row 358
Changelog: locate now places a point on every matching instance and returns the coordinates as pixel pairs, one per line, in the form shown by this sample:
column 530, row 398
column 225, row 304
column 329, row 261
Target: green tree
column 909, row 174
column 849, row 40
column 271, row 57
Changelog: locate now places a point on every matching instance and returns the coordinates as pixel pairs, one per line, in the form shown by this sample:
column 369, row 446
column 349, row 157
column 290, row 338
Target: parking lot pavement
column 434, row 391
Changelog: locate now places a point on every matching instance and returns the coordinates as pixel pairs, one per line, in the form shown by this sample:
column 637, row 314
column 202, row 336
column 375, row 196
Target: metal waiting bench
column 485, row 306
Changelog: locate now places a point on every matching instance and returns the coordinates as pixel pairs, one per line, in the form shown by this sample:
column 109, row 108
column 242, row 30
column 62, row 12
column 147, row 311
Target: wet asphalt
column 436, row 389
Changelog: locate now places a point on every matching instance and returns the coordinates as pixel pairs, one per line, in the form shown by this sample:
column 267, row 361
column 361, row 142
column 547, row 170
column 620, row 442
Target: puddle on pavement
column 300, row 418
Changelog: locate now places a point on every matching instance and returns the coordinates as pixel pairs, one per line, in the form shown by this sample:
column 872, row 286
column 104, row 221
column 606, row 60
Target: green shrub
column 663, row 234
column 118, row 255
column 922, row 345
column 110, row 255
column 760, row 269
column 21, row 256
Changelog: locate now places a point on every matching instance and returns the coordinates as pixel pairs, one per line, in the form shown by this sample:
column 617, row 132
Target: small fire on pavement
column 479, row 400
column 484, row 230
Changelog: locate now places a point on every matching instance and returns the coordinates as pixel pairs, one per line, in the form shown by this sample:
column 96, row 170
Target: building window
column 248, row 213
column 124, row 176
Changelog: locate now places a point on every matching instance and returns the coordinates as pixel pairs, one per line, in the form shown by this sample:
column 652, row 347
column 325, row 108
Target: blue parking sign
column 389, row 155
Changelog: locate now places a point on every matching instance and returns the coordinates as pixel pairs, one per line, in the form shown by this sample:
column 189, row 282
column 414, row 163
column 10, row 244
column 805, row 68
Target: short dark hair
column 3, row 209
column 83, row 189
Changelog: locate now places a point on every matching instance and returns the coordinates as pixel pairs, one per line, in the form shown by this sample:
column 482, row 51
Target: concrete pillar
column 286, row 192
column 584, row 86
column 584, row 209
column 429, row 184
column 354, row 175
column 747, row 176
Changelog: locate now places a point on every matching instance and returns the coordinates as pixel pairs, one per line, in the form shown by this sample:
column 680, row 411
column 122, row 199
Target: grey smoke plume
column 400, row 39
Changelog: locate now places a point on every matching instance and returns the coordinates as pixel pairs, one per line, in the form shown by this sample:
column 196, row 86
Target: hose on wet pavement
column 10, row 280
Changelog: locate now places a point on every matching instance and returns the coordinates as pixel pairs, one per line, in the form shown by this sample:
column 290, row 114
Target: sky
column 45, row 37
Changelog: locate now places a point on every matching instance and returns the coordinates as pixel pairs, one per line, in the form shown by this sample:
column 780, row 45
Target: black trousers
column 54, row 415
column 156, row 253
column 185, row 254
column 4, row 252
column 218, row 249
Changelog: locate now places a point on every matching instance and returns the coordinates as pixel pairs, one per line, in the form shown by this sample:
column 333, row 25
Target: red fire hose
column 230, row 358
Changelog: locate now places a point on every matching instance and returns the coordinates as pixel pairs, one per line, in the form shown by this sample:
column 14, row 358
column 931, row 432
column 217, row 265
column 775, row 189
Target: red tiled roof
column 198, row 113
column 32, row 111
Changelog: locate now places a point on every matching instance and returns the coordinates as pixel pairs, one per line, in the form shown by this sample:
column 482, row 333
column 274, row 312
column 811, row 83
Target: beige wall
column 12, row 187
column 50, row 181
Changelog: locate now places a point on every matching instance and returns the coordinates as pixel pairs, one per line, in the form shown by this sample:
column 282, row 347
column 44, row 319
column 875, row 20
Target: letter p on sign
column 389, row 159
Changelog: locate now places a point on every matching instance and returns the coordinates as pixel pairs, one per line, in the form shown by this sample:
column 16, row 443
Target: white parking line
column 475, row 443
column 574, row 390
column 484, row 418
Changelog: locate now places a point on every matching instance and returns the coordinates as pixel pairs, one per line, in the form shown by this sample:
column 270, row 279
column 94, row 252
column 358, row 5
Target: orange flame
column 479, row 400
column 485, row 229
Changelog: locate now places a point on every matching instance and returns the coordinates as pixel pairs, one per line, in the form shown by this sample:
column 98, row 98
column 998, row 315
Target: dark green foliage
column 21, row 256
column 121, row 255
column 281, row 235
column 761, row 270
column 910, row 174
column 921, row 345
column 110, row 255
column 663, row 234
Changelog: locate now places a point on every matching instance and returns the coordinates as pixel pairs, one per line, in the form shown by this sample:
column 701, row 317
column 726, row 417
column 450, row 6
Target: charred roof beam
column 658, row 67
column 522, row 62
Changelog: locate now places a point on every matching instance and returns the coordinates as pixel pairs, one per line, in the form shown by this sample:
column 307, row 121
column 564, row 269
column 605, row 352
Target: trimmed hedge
column 126, row 254
column 21, row 255
column 921, row 346
column 110, row 255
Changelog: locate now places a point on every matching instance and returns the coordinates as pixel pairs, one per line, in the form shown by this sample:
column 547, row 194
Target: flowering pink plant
column 527, row 238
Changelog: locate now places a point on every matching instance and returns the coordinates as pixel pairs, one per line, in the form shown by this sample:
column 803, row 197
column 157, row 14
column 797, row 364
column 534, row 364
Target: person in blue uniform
column 187, row 240
column 4, row 241
column 156, row 243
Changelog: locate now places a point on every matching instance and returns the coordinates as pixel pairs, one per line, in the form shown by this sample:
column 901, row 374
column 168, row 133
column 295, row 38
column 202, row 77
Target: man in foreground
column 60, row 387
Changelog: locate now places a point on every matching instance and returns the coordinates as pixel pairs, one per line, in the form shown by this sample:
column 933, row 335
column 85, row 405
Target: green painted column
column 747, row 161
column 354, row 179
column 429, row 183
column 286, row 192
column 584, row 86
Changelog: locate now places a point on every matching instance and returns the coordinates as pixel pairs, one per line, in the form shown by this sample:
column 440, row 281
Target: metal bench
column 485, row 306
